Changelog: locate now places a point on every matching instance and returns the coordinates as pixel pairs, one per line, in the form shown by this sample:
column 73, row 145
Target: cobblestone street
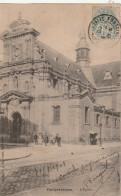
column 28, row 175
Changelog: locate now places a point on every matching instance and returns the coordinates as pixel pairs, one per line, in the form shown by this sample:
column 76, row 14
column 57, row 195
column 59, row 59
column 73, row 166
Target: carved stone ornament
column 108, row 75
column 3, row 106
column 14, row 102
column 40, row 51
column 26, row 105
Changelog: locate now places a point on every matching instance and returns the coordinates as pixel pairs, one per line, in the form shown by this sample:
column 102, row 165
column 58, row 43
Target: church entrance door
column 16, row 126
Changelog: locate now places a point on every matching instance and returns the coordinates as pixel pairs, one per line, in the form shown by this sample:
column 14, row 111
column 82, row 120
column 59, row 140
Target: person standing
column 36, row 139
column 46, row 140
column 56, row 138
column 27, row 140
column 59, row 141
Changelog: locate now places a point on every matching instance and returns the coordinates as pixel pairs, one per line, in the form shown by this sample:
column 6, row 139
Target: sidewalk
column 36, row 154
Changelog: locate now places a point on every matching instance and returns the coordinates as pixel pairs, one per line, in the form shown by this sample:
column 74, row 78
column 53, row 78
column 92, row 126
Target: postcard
column 60, row 99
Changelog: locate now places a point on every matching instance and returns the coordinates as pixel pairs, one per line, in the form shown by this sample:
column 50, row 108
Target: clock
column 16, row 52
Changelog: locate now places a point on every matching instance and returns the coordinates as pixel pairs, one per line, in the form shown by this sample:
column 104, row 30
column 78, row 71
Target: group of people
column 44, row 139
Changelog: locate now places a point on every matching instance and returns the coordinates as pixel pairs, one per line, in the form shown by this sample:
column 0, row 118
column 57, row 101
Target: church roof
column 63, row 64
column 110, row 69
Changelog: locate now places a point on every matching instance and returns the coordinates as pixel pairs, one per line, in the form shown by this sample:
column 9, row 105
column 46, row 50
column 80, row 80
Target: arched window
column 26, row 86
column 5, row 88
column 15, row 80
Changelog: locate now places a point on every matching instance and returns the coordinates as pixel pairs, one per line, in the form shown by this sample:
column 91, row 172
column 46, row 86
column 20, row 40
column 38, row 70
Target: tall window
column 28, row 48
column 26, row 86
column 115, row 122
column 86, row 114
column 56, row 114
column 69, row 87
column 15, row 83
column 55, row 81
column 97, row 119
column 107, row 120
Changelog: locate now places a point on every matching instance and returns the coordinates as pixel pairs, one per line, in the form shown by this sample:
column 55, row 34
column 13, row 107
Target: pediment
column 14, row 97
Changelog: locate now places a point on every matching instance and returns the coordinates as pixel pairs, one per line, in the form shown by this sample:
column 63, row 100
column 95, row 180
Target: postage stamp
column 104, row 29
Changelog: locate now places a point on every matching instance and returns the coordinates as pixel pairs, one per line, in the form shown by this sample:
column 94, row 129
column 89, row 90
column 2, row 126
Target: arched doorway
column 16, row 126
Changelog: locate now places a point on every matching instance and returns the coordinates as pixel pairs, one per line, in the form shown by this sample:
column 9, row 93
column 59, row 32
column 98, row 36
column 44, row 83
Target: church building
column 44, row 92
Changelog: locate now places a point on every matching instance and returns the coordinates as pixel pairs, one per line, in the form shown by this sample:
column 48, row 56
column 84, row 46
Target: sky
column 59, row 26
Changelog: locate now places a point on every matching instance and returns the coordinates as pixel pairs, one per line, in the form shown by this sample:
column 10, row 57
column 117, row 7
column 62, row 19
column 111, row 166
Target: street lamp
column 100, row 125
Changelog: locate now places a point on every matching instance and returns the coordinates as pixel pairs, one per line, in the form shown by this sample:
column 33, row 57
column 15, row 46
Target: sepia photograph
column 60, row 99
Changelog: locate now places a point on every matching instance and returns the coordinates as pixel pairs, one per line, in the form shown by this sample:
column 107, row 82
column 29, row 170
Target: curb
column 15, row 158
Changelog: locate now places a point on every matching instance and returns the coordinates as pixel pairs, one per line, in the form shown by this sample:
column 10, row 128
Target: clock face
column 16, row 52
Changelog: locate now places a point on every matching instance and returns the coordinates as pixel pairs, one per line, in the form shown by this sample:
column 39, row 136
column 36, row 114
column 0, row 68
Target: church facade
column 42, row 91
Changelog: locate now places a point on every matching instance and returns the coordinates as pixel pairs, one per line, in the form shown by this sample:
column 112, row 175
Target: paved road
column 42, row 154
column 103, row 178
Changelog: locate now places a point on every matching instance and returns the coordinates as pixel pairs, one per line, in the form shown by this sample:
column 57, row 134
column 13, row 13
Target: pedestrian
column 46, row 140
column 27, row 140
column 36, row 139
column 56, row 138
column 59, row 141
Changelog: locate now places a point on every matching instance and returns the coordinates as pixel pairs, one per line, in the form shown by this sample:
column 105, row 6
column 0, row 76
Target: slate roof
column 98, row 72
column 59, row 65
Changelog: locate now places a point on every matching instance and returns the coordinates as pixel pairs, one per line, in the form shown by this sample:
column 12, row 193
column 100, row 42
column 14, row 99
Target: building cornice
column 108, row 89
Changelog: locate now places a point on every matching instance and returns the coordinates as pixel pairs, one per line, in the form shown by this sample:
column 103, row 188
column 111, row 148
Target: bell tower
column 82, row 50
column 18, row 41
column 82, row 58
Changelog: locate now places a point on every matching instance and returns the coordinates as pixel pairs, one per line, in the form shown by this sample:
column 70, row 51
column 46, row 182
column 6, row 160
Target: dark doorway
column 16, row 127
